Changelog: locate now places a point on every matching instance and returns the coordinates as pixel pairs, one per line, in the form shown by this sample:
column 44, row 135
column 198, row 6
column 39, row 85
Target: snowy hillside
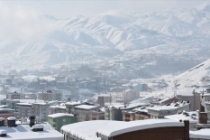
column 196, row 76
column 104, row 36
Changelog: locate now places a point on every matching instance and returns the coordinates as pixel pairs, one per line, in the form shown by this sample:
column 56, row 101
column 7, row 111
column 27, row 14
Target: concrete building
column 128, row 116
column 141, row 113
column 50, row 95
column 208, row 109
column 114, row 111
column 83, row 111
column 10, row 103
column 41, row 110
column 159, row 112
column 61, row 108
column 6, row 112
column 152, row 129
column 104, row 98
column 193, row 98
column 13, row 95
column 60, row 119
column 24, row 110
column 127, row 96
column 96, row 115
column 26, row 132
column 70, row 106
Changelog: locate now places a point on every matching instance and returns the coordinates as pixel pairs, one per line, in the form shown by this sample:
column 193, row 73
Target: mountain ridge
column 82, row 37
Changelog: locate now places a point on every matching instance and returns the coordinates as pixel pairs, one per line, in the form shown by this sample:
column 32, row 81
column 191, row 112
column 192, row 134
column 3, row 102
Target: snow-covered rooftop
column 125, row 107
column 200, row 134
column 86, row 107
column 141, row 109
column 191, row 116
column 74, row 103
column 23, row 132
column 172, row 106
column 57, row 115
column 25, row 104
column 58, row 106
column 108, row 128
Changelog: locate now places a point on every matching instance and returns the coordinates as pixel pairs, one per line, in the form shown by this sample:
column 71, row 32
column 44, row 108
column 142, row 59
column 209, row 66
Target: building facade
column 60, row 119
column 50, row 95
column 96, row 115
column 162, row 129
column 159, row 112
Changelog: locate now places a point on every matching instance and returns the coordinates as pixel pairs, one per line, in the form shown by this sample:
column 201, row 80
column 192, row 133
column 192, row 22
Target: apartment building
column 128, row 116
column 70, row 106
column 24, row 110
column 158, row 112
column 13, row 95
column 193, row 98
column 106, row 98
column 60, row 108
column 141, row 113
column 6, row 112
column 208, row 109
column 115, row 111
column 127, row 96
column 96, row 115
column 41, row 110
column 10, row 103
column 60, row 119
column 83, row 111
column 50, row 95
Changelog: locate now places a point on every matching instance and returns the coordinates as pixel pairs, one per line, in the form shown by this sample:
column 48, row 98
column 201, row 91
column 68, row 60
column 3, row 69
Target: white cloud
column 22, row 23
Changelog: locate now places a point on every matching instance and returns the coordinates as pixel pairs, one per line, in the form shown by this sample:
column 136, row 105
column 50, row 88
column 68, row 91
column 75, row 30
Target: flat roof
column 200, row 134
column 172, row 106
column 25, row 104
column 191, row 116
column 23, row 132
column 74, row 103
column 57, row 115
column 86, row 107
column 58, row 106
column 108, row 128
column 128, row 106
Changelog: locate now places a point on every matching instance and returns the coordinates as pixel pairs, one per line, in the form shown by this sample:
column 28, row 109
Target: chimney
column 203, row 117
column 11, row 122
column 32, row 121
column 2, row 121
column 186, row 129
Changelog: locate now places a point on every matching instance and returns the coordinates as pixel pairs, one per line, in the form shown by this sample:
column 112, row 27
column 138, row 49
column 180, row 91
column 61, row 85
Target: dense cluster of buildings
column 110, row 116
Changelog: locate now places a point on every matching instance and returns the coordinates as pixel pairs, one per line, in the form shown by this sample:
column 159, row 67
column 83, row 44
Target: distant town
column 70, row 107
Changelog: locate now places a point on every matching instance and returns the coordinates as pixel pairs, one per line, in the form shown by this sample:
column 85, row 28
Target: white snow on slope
column 194, row 76
column 77, row 38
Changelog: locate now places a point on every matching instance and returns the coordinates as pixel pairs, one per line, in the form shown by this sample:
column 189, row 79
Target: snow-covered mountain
column 109, row 34
column 198, row 76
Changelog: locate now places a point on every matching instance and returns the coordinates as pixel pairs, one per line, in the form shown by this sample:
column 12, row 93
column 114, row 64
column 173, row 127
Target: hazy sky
column 68, row 8
column 22, row 19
